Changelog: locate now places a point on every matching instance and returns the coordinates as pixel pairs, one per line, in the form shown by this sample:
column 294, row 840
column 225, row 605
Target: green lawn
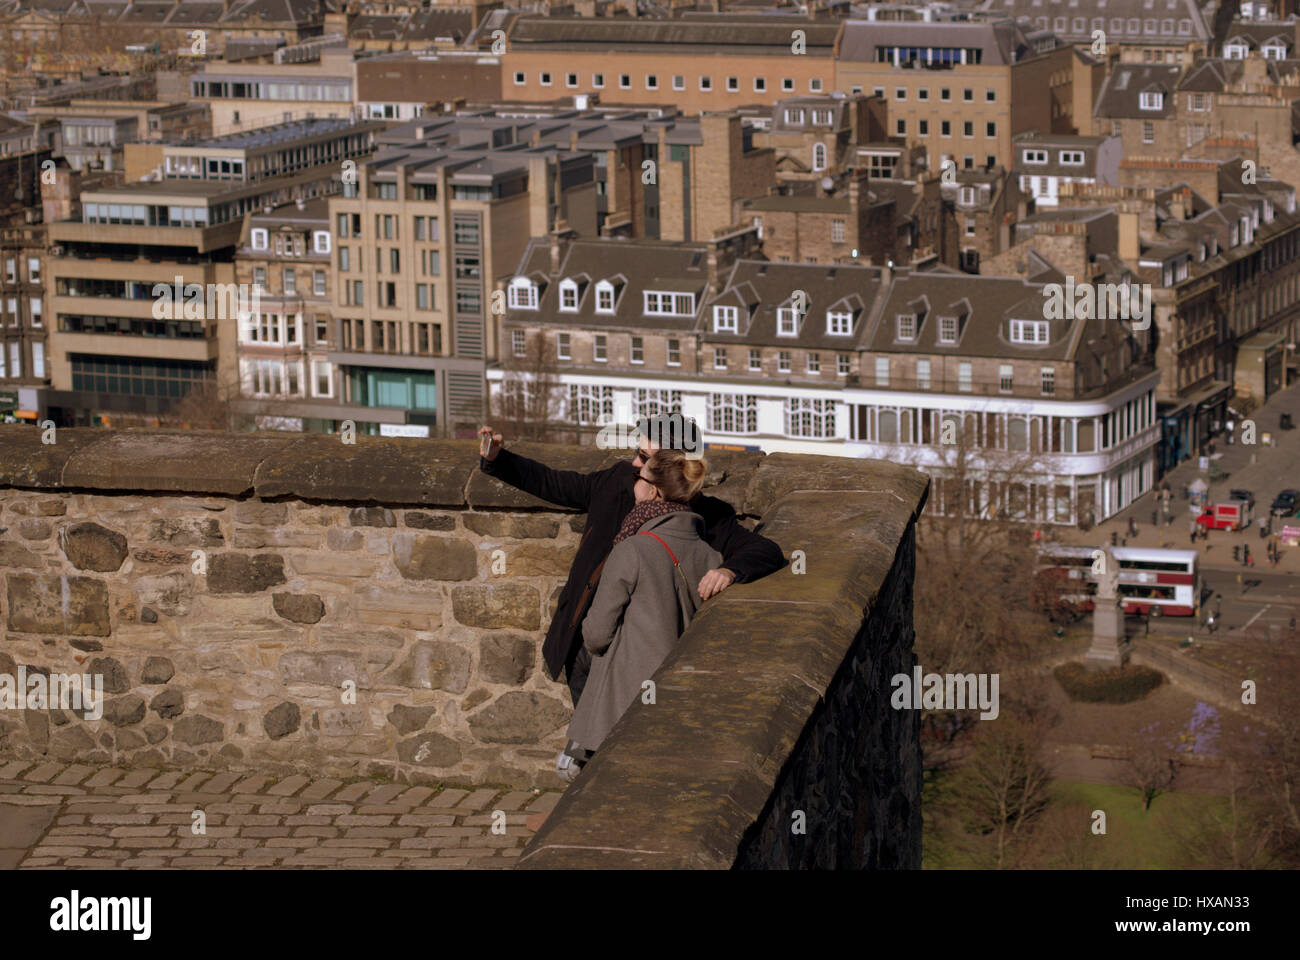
column 1135, row 839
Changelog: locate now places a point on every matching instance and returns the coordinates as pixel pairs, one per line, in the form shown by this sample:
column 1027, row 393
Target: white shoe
column 566, row 767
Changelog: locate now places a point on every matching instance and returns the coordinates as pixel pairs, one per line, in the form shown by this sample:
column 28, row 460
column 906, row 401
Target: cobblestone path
column 61, row 815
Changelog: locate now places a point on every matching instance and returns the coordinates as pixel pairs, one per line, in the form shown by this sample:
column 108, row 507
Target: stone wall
column 233, row 588
column 771, row 742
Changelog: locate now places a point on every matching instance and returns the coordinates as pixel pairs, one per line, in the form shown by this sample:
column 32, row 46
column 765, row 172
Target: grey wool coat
column 641, row 608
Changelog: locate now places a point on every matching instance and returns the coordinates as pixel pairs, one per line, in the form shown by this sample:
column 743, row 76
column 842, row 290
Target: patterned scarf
column 643, row 511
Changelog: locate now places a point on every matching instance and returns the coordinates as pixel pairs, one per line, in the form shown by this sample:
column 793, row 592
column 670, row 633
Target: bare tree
column 1063, row 840
column 217, row 404
column 1003, row 789
column 1150, row 766
column 531, row 400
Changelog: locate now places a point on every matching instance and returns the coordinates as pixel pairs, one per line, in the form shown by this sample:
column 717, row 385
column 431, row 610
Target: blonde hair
column 677, row 476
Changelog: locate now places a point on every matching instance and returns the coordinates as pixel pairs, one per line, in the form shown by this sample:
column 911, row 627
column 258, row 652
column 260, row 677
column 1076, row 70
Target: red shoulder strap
column 666, row 547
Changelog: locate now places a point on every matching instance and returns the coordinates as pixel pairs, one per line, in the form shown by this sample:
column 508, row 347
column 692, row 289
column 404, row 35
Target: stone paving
column 57, row 815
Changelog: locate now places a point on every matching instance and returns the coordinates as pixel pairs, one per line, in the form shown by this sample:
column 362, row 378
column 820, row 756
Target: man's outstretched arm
column 566, row 488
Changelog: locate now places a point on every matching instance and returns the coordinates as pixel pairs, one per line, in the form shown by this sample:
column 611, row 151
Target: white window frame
column 599, row 349
column 320, row 241
column 1151, row 100
column 522, row 294
column 1071, row 158
column 563, row 346
column 839, row 323
column 906, row 327
column 568, row 288
column 604, row 288
column 726, row 319
column 260, row 238
column 1035, row 156
column 882, row 371
column 1032, row 332
column 787, row 322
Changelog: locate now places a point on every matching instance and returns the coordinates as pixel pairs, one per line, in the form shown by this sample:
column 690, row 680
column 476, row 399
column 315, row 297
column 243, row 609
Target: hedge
column 1119, row 685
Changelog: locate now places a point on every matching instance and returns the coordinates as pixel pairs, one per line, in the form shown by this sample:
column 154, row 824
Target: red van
column 1233, row 515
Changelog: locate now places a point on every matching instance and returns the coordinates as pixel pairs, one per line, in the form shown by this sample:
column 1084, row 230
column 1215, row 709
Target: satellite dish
column 827, row 183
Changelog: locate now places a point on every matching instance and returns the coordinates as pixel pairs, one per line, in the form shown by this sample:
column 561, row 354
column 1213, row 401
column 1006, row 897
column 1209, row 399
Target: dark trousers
column 575, row 673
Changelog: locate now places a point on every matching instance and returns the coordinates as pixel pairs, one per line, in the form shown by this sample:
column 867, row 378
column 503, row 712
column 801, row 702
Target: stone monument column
column 1109, row 641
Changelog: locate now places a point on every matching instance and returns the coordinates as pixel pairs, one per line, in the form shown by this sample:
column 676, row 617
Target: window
column 839, row 323
column 604, row 297
column 755, row 359
column 518, row 342
column 945, row 94
column 571, row 80
column 809, row 417
column 568, row 296
column 968, row 95
column 837, row 231
column 523, row 294
column 842, row 364
column 719, row 358
column 787, row 324
column 422, row 296
column 259, row 238
column 990, row 129
column 1005, row 377
column 923, row 128
column 1029, row 331
column 882, row 371
column 320, row 241
column 906, row 326
column 37, row 311
column 1047, row 376
column 38, row 358
column 814, row 363
column 947, row 329
column 259, row 274
column 520, row 80
column 968, row 128
column 963, row 376
column 318, row 283
column 733, row 413
column 815, row 85
column 11, row 270
column 651, row 81
column 598, row 348
column 900, row 93
column 787, row 84
column 1197, row 102
column 794, row 116
column 783, row 361
column 546, row 78
column 590, row 404
column 726, row 319
column 990, row 96
column 1151, row 100
column 706, row 84
column 679, row 82
column 923, row 93
column 823, row 118
column 674, row 353
column 669, row 304
column 1072, row 158
column 900, row 127
column 733, row 84
column 945, row 128
column 562, row 346
column 1148, row 132
column 598, row 81
column 923, row 374
column 819, row 156
column 638, row 350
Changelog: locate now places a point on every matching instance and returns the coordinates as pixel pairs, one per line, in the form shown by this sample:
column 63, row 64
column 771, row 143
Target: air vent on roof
column 762, row 270
column 695, row 260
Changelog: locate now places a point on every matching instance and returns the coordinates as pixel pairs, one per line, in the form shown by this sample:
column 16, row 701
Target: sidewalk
column 1274, row 468
column 59, row 815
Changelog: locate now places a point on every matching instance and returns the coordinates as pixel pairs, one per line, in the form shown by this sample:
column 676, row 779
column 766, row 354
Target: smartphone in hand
column 485, row 445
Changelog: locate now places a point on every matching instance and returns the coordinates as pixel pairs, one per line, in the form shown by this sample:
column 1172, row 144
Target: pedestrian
column 1155, row 518
column 647, row 596
column 1191, row 529
column 607, row 497
column 1132, row 526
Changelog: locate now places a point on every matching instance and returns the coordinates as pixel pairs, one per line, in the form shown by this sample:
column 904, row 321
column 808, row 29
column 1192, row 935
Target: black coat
column 606, row 497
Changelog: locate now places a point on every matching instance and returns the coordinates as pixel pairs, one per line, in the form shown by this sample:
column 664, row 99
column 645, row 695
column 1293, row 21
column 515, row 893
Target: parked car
column 1246, row 495
column 1285, row 503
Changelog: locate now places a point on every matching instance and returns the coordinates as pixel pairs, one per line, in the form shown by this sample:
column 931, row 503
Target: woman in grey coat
column 647, row 594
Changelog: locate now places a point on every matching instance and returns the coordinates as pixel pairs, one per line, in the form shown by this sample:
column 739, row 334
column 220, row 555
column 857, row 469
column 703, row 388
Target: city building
column 1045, row 161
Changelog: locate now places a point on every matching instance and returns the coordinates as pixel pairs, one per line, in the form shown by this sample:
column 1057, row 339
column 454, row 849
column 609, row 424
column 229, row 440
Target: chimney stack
column 1129, row 245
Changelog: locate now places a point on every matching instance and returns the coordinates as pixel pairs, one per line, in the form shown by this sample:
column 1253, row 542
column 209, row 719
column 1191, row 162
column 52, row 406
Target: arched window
column 568, row 296
column 819, row 156
column 604, row 297
column 523, row 294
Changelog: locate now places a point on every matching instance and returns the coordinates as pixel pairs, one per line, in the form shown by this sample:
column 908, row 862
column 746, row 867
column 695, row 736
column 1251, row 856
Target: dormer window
column 1072, row 158
column 568, row 296
column 523, row 294
column 947, row 329
column 320, row 241
column 1029, row 331
column 1035, row 156
column 726, row 320
column 1235, row 49
column 259, row 238
column 604, row 297
column 1200, row 254
column 662, row 304
column 967, row 196
column 906, row 326
column 794, row 115
column 839, row 323
column 787, row 322
column 1151, row 100
column 1232, row 236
